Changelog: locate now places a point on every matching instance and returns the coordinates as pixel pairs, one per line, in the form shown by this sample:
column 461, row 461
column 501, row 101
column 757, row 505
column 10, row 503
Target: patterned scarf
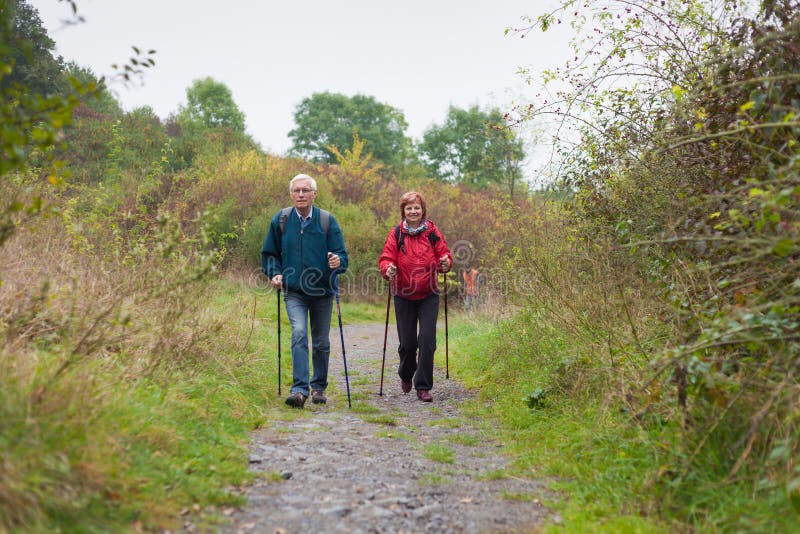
column 421, row 228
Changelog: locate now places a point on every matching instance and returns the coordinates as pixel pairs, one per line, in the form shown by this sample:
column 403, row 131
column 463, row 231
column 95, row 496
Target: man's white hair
column 303, row 177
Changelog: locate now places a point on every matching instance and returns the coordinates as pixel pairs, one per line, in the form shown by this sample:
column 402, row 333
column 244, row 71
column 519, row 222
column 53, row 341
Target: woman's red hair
column 410, row 198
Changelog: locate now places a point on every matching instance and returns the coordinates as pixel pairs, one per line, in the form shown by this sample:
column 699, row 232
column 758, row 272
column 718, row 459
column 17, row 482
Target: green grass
column 364, row 408
column 359, row 313
column 598, row 462
column 149, row 450
column 525, row 497
column 392, row 435
column 439, row 453
column 361, row 396
column 610, row 474
column 470, row 440
column 382, row 419
column 451, row 422
column 359, row 381
column 434, row 479
column 496, row 474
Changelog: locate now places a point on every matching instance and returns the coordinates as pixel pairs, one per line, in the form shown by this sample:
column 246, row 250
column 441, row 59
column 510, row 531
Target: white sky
column 419, row 56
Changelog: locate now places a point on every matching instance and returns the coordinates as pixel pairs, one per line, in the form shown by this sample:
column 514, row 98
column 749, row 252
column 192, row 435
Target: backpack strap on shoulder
column 433, row 237
column 283, row 216
column 324, row 220
column 398, row 237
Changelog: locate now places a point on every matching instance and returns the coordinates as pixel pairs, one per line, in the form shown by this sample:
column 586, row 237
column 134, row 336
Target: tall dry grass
column 85, row 312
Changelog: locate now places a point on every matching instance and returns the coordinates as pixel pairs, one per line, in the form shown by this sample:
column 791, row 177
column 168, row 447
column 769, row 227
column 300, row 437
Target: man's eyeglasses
column 305, row 191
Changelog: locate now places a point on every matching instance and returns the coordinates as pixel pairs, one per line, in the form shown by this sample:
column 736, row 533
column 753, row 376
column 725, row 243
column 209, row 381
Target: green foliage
column 537, row 399
column 209, row 126
column 210, row 104
column 144, row 141
column 475, row 148
column 196, row 145
column 331, row 119
column 355, row 179
column 36, row 104
column 100, row 100
column 364, row 239
column 252, row 238
column 27, row 53
column 684, row 170
column 100, row 146
column 33, row 108
column 242, row 191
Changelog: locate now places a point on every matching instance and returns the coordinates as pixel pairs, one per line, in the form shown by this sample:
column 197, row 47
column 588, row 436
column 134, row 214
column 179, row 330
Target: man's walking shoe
column 424, row 395
column 296, row 399
column 405, row 386
column 318, row 397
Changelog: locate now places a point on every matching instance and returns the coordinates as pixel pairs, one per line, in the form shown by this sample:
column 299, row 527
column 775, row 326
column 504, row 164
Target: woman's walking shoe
column 405, row 386
column 318, row 397
column 424, row 395
column 296, row 399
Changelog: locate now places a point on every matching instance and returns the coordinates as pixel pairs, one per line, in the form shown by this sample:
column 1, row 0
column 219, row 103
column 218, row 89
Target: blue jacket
column 301, row 254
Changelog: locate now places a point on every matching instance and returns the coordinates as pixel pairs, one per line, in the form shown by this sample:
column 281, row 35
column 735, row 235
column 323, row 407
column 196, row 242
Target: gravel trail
column 389, row 464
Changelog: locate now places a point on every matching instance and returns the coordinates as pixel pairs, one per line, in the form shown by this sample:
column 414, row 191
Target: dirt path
column 390, row 464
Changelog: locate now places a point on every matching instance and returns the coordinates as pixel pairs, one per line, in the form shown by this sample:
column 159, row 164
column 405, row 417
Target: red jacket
column 417, row 261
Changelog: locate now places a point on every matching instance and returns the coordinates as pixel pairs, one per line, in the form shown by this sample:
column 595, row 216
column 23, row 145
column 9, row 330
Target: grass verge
column 560, row 418
column 596, row 461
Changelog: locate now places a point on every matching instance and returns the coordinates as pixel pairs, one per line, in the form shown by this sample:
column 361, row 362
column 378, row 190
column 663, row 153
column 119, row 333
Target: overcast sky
column 419, row 56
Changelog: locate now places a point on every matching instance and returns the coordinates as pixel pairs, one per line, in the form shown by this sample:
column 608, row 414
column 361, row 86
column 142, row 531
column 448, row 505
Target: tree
column 33, row 106
column 210, row 104
column 331, row 119
column 210, row 123
column 37, row 99
column 101, row 100
column 473, row 147
column 30, row 51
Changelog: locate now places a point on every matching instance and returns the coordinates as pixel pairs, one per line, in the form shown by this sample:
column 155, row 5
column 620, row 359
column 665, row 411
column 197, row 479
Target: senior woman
column 414, row 253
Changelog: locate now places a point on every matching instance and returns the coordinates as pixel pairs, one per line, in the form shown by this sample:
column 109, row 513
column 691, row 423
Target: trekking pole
column 446, row 340
column 385, row 333
column 341, row 334
column 279, row 340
